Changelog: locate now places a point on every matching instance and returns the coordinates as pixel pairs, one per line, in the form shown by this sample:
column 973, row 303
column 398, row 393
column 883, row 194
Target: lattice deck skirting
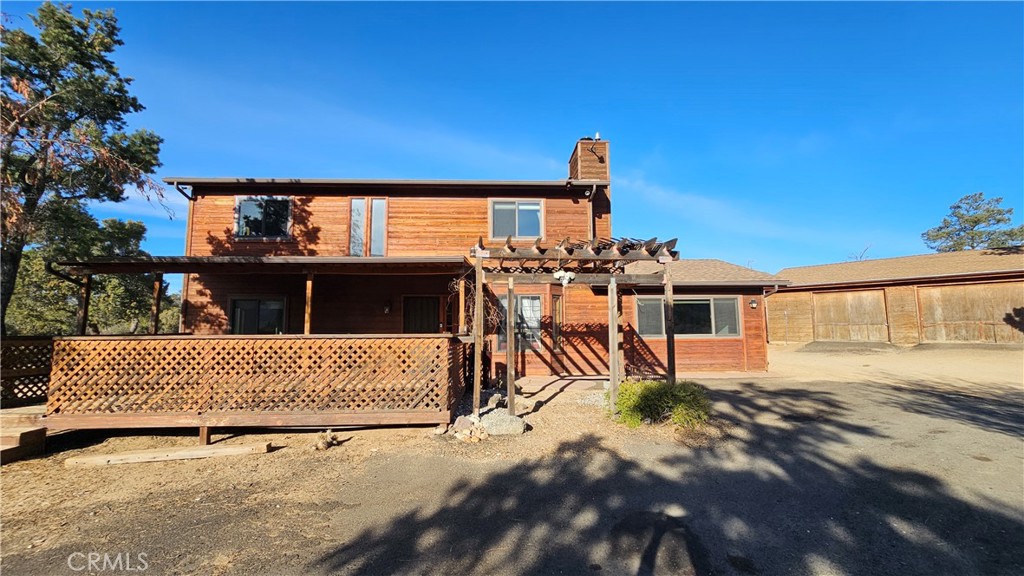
column 115, row 382
column 24, row 370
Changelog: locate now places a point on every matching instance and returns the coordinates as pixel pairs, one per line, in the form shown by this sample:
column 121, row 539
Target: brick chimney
column 589, row 160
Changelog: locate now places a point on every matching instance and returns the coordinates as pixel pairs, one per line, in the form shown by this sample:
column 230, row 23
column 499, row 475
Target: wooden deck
column 280, row 380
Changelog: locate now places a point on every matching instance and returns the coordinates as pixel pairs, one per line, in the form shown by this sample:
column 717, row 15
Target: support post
column 154, row 312
column 670, row 331
column 478, row 334
column 613, row 344
column 309, row 304
column 204, row 435
column 462, row 305
column 510, row 348
column 84, row 291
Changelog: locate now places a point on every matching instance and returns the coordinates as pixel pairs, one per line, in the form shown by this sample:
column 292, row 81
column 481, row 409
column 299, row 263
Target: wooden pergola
column 600, row 262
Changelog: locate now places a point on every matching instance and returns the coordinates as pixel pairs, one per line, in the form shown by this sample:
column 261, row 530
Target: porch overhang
column 267, row 265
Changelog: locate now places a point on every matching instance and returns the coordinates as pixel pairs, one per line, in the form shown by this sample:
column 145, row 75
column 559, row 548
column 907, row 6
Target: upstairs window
column 516, row 218
column 691, row 316
column 368, row 227
column 262, row 217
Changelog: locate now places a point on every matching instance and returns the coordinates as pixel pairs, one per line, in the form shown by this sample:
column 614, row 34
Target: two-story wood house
column 386, row 261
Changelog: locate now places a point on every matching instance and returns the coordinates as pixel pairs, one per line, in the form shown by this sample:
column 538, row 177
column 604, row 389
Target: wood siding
column 857, row 316
column 972, row 313
column 901, row 312
column 584, row 349
column 747, row 352
column 444, row 225
column 904, row 315
column 342, row 304
column 790, row 317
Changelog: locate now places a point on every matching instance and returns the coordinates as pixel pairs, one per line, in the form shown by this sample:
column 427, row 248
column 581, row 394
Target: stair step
column 18, row 443
column 11, row 420
column 22, row 416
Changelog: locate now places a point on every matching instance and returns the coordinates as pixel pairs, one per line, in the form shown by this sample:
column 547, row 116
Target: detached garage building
column 968, row 296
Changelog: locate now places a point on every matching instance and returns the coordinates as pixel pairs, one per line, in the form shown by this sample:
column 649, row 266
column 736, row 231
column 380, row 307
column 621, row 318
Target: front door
column 421, row 315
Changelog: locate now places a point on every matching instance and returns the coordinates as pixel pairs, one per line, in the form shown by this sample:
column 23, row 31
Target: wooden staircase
column 21, row 433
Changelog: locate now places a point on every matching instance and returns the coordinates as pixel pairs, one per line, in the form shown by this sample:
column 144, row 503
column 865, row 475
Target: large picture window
column 692, row 316
column 516, row 218
column 262, row 217
column 527, row 322
column 257, row 316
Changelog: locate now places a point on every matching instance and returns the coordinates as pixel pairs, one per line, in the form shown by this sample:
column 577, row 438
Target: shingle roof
column 964, row 263
column 698, row 271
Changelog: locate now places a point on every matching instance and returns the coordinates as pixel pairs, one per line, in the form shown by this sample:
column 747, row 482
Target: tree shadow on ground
column 997, row 412
column 783, row 494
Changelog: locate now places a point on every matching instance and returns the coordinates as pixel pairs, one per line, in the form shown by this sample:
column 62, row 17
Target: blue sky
column 764, row 134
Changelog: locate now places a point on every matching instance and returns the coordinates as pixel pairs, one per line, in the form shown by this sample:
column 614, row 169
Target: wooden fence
column 283, row 380
column 24, row 370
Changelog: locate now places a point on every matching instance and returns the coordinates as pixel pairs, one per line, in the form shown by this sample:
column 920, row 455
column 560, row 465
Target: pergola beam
column 591, row 279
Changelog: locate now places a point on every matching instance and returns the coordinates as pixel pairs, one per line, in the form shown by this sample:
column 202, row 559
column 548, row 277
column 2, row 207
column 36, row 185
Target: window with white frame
column 710, row 316
column 528, row 316
column 262, row 217
column 516, row 218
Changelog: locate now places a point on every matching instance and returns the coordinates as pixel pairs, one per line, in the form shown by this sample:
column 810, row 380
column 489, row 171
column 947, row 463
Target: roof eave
column 1000, row 274
column 409, row 183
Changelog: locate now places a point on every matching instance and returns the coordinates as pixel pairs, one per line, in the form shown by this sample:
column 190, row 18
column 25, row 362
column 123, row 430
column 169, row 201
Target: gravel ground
column 834, row 462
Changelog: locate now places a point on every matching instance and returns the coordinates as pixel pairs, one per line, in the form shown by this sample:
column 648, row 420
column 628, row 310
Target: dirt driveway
column 836, row 462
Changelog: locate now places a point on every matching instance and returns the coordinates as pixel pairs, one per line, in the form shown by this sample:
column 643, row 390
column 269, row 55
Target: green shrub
column 685, row 404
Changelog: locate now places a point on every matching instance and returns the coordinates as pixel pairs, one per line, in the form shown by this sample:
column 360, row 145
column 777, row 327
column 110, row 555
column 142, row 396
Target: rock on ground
column 499, row 423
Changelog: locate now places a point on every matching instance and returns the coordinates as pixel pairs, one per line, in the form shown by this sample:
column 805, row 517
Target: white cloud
column 710, row 212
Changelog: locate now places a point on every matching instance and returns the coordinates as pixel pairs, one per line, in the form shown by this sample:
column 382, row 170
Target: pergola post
column 613, row 343
column 84, row 291
column 308, row 318
column 154, row 312
column 462, row 305
column 510, row 348
column 478, row 334
column 670, row 331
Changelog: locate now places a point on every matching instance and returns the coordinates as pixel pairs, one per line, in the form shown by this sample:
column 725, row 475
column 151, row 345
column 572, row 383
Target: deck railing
column 283, row 380
column 24, row 369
